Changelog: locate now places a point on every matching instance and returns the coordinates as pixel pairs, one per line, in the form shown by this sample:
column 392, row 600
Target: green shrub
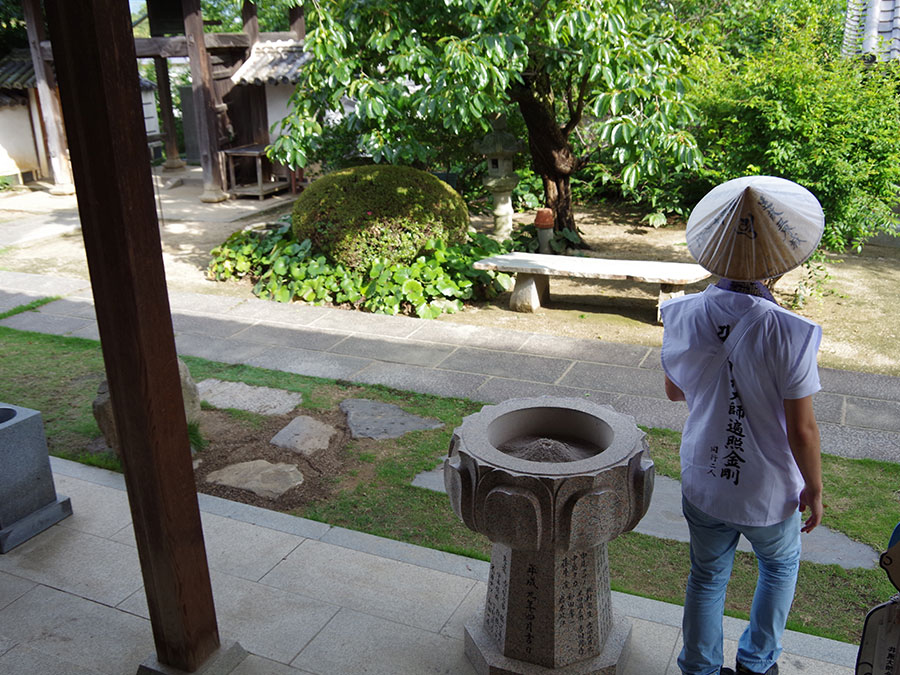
column 382, row 212
column 437, row 281
column 797, row 111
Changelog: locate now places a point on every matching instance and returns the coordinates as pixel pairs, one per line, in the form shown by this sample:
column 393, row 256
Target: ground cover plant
column 372, row 492
column 438, row 280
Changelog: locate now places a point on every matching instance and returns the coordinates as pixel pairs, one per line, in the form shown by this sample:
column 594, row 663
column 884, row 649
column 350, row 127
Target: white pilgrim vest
column 736, row 463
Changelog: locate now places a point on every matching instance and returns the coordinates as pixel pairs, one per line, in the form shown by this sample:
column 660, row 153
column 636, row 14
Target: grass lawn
column 59, row 376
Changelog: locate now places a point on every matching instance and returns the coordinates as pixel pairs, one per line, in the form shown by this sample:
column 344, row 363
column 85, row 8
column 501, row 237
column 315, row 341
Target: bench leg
column 667, row 292
column 530, row 291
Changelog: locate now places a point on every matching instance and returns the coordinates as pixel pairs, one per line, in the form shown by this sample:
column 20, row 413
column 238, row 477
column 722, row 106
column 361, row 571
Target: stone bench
column 533, row 272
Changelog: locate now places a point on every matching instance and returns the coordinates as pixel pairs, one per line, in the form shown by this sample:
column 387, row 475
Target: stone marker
column 258, row 476
column 374, row 419
column 103, row 412
column 260, row 400
column 549, row 481
column 304, row 435
column 28, row 500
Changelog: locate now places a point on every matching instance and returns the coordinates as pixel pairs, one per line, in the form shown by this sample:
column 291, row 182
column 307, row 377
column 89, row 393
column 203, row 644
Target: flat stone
column 261, row 400
column 374, row 419
column 258, row 476
column 305, row 435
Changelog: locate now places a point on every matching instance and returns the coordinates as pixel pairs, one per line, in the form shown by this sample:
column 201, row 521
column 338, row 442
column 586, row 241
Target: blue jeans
column 713, row 543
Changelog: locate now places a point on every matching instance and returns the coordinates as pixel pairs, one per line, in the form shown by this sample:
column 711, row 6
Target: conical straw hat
column 755, row 228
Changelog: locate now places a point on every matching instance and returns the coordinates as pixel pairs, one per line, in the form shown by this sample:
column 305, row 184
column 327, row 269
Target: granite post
column 28, row 500
column 549, row 481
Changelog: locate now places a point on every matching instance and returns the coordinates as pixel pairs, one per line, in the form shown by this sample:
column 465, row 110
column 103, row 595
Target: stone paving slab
column 501, row 364
column 420, row 380
column 297, row 338
column 865, row 385
column 217, row 349
column 829, row 407
column 200, row 324
column 585, row 350
column 856, row 443
column 270, row 622
column 70, row 307
column 260, row 400
column 397, row 351
column 618, row 379
column 652, row 412
column 64, row 626
column 43, row 286
column 304, row 435
column 883, row 415
column 94, row 568
column 292, row 314
column 404, row 593
column 499, row 389
column 345, row 321
column 309, row 362
column 20, row 660
column 381, row 421
column 485, row 337
column 266, row 479
column 9, row 301
column 45, row 323
column 377, row 647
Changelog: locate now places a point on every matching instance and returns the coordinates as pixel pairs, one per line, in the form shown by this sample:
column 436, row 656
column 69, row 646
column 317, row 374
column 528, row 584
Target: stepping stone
column 373, row 419
column 305, row 435
column 259, row 476
column 260, row 400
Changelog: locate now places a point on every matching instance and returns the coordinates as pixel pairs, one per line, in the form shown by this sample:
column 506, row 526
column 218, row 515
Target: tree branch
column 576, row 114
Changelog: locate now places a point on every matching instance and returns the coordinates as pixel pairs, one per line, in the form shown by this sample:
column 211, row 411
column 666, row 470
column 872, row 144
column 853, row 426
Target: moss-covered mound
column 358, row 214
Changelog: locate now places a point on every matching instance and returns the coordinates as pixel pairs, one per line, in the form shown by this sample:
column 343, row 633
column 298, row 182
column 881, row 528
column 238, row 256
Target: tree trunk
column 551, row 155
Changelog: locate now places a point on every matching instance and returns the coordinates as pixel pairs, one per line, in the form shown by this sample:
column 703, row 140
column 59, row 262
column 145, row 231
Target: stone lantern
column 499, row 147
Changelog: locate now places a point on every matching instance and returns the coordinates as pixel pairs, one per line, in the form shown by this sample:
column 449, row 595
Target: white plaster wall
column 151, row 120
column 17, row 151
column 277, row 106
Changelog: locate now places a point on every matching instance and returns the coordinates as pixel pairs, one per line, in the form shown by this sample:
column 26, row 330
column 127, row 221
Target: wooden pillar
column 164, row 87
column 251, row 21
column 93, row 50
column 298, row 21
column 204, row 104
column 49, row 106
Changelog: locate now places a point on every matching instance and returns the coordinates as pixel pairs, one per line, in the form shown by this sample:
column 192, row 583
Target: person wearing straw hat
column 750, row 455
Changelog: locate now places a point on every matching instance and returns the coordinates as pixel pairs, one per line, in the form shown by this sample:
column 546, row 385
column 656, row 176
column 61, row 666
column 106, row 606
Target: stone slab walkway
column 301, row 597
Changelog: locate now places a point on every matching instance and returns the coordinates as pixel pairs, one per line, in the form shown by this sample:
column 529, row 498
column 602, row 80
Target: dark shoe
column 743, row 670
column 726, row 671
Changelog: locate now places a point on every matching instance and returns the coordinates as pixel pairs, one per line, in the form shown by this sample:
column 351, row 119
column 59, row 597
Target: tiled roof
column 10, row 98
column 872, row 27
column 275, row 62
column 16, row 71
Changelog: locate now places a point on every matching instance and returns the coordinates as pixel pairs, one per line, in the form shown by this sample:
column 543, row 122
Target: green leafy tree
column 225, row 15
column 795, row 108
column 12, row 27
column 417, row 66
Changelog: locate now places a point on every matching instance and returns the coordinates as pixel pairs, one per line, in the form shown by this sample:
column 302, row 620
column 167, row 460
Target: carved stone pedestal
column 549, row 481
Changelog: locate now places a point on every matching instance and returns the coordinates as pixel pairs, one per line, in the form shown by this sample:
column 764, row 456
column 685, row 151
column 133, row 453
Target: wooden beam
column 204, row 104
column 50, row 113
column 251, row 21
column 168, row 47
column 164, row 88
column 297, row 19
column 95, row 63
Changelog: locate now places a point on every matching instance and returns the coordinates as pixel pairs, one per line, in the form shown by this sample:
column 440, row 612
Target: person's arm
column 803, row 437
column 672, row 391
